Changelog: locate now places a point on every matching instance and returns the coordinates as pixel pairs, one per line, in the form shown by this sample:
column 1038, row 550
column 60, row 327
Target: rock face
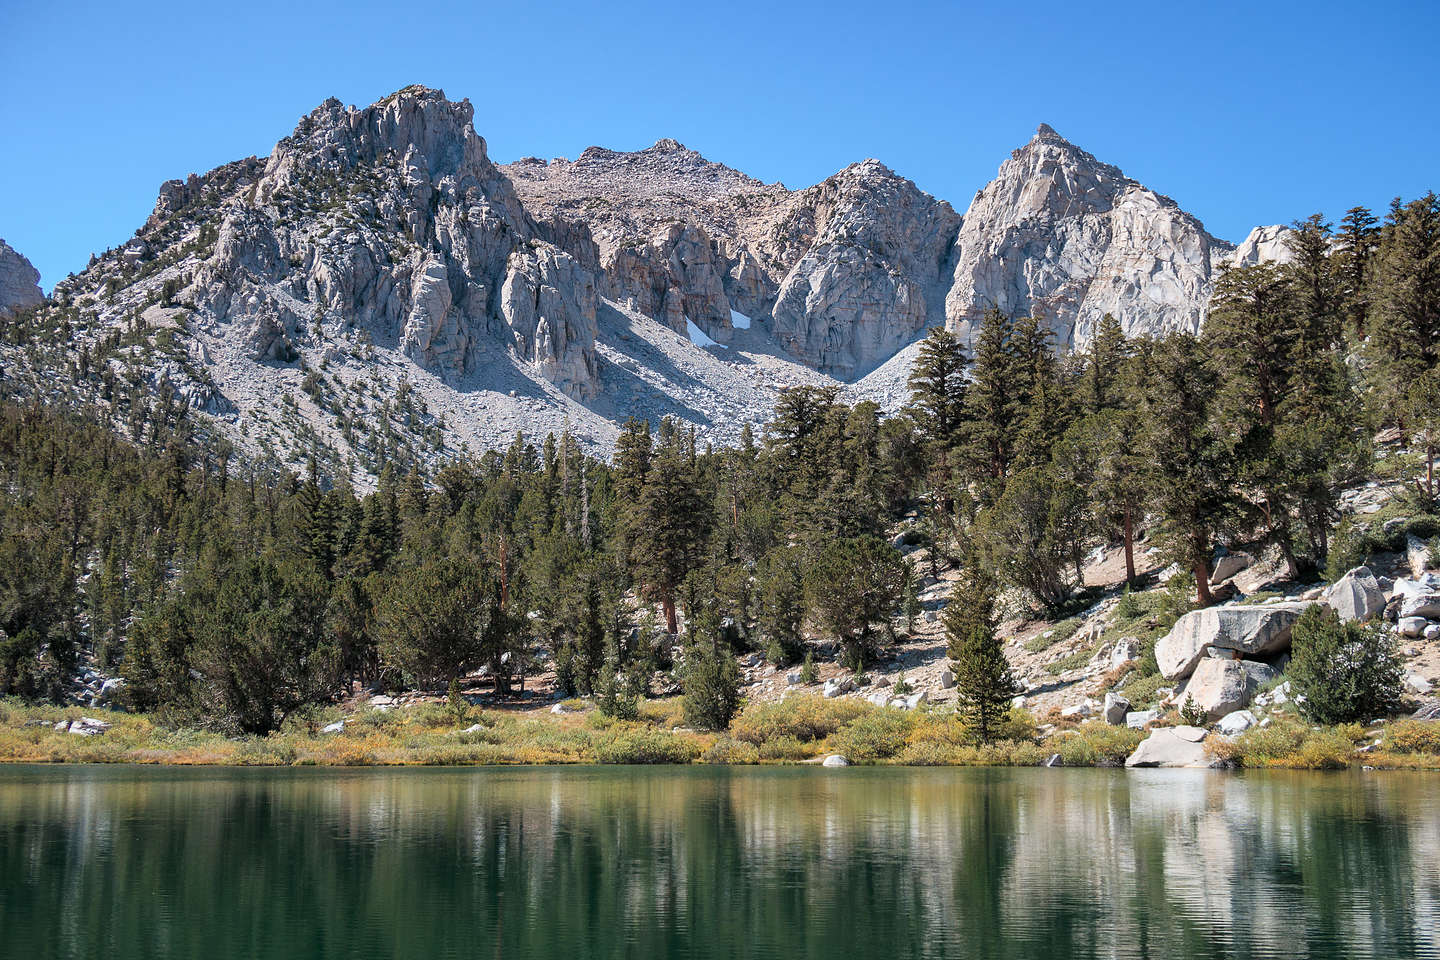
column 19, row 282
column 844, row 273
column 1061, row 235
column 1220, row 687
column 1259, row 630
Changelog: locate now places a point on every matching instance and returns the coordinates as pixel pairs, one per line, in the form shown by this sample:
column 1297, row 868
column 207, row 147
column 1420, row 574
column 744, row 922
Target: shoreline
column 800, row 731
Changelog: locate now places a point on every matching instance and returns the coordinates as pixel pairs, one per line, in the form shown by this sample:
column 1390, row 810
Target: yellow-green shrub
column 1413, row 736
column 803, row 717
column 877, row 735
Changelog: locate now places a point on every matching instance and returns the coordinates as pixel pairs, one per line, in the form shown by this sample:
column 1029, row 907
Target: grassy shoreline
column 798, row 730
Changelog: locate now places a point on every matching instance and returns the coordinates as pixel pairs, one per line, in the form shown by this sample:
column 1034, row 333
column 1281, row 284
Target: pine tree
column 984, row 681
column 1188, row 461
column 992, row 398
column 1357, row 239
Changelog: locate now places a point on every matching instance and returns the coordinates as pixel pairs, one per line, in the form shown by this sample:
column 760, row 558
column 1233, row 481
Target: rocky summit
column 1060, row 235
column 377, row 286
column 19, row 282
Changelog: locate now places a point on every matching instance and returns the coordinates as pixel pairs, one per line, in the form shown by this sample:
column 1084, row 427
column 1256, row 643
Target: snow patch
column 739, row 321
column 698, row 337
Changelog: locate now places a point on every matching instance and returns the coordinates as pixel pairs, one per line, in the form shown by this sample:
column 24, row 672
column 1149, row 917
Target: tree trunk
column 672, row 624
column 1129, row 546
column 1430, row 470
column 1202, row 583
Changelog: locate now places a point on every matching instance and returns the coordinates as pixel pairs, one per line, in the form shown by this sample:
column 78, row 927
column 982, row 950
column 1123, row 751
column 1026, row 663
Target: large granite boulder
column 1254, row 630
column 1171, row 747
column 1356, row 596
column 1220, row 687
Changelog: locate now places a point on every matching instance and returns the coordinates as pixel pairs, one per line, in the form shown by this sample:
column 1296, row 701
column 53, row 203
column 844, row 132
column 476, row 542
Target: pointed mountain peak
column 1047, row 132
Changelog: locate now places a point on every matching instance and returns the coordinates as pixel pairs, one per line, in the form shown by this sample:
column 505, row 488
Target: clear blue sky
column 1245, row 113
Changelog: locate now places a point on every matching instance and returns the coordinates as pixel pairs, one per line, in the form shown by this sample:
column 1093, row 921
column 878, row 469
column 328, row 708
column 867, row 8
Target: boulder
column 1229, row 565
column 1236, row 723
column 1125, row 650
column 794, row 677
column 1430, row 711
column 947, row 678
column 835, row 760
column 1140, row 719
column 1253, row 631
column 1116, row 709
column 1412, row 626
column 1356, row 596
column 835, row 686
column 335, row 727
column 1221, row 687
column 915, row 699
column 1418, row 684
column 1077, row 711
column 1171, row 747
column 879, row 698
column 1432, row 631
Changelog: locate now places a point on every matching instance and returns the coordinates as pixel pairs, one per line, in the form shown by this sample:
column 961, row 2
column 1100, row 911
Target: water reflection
column 584, row 862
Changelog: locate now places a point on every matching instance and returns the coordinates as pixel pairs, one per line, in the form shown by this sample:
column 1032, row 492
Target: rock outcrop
column 1061, row 235
column 1252, row 631
column 19, row 282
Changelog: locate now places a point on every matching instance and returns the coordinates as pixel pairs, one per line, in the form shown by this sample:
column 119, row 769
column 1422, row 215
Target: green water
column 122, row 862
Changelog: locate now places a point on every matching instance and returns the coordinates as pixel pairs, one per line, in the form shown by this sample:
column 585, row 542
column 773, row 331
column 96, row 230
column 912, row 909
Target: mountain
column 845, row 272
column 1063, row 236
column 19, row 282
column 377, row 290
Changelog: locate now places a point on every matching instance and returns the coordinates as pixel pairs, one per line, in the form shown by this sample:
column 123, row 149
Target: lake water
column 121, row 862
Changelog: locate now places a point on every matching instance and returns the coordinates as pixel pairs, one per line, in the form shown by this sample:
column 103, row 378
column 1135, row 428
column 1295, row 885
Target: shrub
column 877, row 735
column 1413, row 736
column 730, row 751
column 808, row 673
column 1098, row 745
column 712, row 687
column 1345, row 671
column 1128, row 608
column 784, row 748
column 806, row 718
column 1192, row 713
column 644, row 745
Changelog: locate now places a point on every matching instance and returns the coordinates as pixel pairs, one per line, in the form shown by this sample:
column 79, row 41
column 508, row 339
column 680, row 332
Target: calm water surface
column 122, row 862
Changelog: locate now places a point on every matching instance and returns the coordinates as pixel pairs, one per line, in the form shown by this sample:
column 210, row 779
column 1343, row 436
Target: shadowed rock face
column 19, row 282
column 1061, row 235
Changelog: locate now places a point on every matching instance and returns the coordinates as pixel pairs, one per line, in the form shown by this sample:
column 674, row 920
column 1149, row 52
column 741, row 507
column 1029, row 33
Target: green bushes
column 1413, row 736
column 1345, row 671
column 877, row 735
column 644, row 745
column 805, row 718
column 1098, row 745
column 1289, row 743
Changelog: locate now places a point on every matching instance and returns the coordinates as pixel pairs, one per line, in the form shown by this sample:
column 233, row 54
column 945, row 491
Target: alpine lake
column 699, row 862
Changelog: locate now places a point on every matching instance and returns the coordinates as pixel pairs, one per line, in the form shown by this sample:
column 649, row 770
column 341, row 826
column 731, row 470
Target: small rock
column 947, row 678
column 835, row 686
column 835, row 760
column 1053, row 761
column 1140, row 719
column 1076, row 711
column 1412, row 626
column 1116, row 708
column 1237, row 723
column 1418, row 684
column 335, row 727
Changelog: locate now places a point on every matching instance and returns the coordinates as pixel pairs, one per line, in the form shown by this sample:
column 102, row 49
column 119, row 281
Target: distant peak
column 1047, row 132
column 667, row 144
